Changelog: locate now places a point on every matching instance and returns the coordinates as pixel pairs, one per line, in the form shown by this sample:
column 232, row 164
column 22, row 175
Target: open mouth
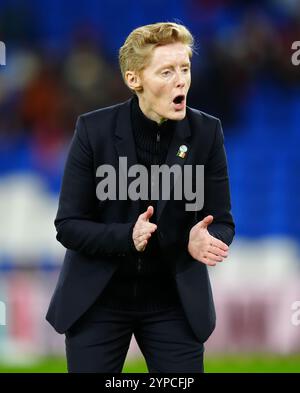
column 178, row 99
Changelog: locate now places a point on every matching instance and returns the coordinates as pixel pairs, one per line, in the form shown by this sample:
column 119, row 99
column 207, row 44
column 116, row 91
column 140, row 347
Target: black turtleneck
column 144, row 282
column 152, row 141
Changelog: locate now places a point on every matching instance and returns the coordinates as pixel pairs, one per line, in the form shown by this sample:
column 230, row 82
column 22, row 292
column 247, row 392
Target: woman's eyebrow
column 169, row 65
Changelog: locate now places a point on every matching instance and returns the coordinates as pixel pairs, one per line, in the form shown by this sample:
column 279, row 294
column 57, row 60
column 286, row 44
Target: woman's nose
column 180, row 81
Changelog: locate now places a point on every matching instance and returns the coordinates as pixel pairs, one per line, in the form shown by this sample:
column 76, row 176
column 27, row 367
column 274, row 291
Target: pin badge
column 182, row 151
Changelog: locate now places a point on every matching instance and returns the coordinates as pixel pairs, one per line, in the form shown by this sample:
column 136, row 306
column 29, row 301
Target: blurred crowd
column 250, row 45
column 42, row 94
column 238, row 44
column 58, row 68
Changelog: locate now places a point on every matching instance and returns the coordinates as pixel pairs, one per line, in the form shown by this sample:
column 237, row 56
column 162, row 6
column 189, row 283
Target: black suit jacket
column 97, row 233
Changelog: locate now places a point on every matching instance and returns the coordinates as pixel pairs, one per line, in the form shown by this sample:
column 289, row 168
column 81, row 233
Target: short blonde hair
column 135, row 54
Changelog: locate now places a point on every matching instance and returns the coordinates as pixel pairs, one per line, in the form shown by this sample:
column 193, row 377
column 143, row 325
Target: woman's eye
column 165, row 73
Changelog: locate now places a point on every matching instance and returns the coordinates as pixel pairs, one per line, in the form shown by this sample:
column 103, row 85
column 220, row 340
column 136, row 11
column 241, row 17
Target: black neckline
column 144, row 124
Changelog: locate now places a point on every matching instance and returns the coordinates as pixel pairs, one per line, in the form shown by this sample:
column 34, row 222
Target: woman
column 138, row 265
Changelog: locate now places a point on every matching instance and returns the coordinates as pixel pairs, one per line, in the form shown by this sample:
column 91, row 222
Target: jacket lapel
column 124, row 140
column 125, row 146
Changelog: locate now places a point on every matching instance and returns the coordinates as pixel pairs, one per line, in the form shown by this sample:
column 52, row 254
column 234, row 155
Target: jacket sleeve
column 217, row 192
column 76, row 229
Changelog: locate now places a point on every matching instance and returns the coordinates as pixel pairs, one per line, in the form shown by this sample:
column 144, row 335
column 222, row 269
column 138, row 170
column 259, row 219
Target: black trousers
column 98, row 342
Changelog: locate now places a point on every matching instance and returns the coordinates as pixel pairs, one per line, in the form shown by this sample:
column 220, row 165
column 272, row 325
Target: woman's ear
column 133, row 80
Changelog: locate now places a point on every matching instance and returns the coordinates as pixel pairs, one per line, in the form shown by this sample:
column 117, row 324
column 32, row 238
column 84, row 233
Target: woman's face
column 165, row 82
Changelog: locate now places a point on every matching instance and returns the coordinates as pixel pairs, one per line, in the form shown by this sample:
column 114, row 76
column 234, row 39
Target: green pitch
column 213, row 364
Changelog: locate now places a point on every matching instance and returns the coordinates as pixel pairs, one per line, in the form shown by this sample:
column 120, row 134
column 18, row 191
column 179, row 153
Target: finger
column 141, row 238
column 218, row 243
column 213, row 257
column 218, row 251
column 208, row 262
column 147, row 214
column 208, row 220
column 142, row 230
column 149, row 226
column 205, row 222
column 142, row 245
column 142, row 224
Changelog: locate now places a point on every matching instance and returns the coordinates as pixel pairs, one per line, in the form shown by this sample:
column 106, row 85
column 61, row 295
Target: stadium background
column 61, row 61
